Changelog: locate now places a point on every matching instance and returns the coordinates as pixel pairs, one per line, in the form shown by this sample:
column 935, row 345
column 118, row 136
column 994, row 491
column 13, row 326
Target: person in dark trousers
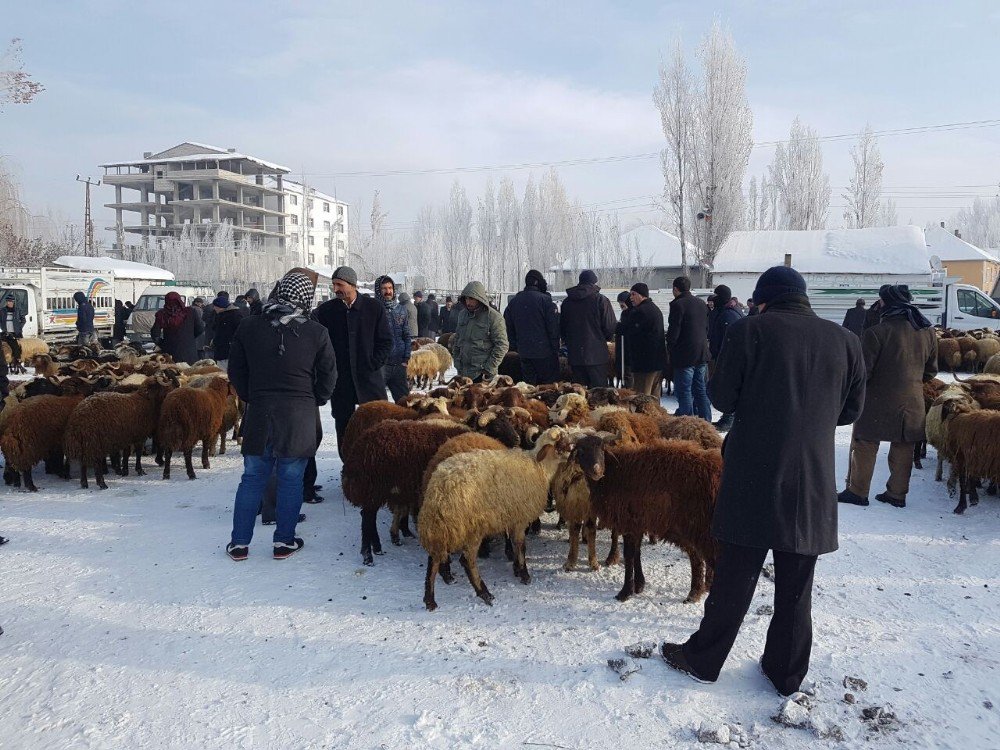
column 394, row 370
column 423, row 315
column 645, row 342
column 900, row 356
column 687, row 344
column 587, row 323
column 854, row 319
column 198, row 307
column 727, row 311
column 85, row 333
column 361, row 340
column 121, row 315
column 411, row 313
column 282, row 366
column 227, row 320
column 12, row 320
column 623, row 368
column 448, row 316
column 533, row 330
column 208, row 316
column 790, row 378
column 176, row 328
column 255, row 306
column 435, row 324
column 480, row 340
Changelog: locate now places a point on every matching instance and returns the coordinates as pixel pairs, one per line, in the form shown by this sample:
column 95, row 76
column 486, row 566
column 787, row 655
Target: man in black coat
column 644, row 341
column 791, row 378
column 282, row 366
column 725, row 313
column 362, row 342
column 687, row 344
column 587, row 323
column 423, row 315
column 448, row 316
column 533, row 330
column 623, row 359
column 435, row 324
column 854, row 319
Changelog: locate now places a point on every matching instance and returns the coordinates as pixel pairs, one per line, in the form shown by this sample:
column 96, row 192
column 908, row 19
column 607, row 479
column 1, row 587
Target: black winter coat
column 587, row 322
column 687, row 332
column 644, row 344
column 854, row 320
column 532, row 324
column 282, row 391
column 423, row 319
column 620, row 348
column 447, row 320
column 791, row 378
column 361, row 342
column 180, row 342
column 435, row 320
column 226, row 323
column 718, row 323
column 85, row 316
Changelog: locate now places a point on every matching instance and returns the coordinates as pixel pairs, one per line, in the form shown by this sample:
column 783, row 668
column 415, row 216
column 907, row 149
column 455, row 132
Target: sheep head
column 569, row 408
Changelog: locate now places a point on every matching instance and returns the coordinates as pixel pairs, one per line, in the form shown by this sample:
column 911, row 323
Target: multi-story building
column 316, row 226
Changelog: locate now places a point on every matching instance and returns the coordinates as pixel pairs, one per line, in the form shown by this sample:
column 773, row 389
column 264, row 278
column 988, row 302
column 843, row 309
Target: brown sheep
column 690, row 428
column 569, row 409
column 967, row 347
column 126, row 421
column 666, row 488
column 368, row 415
column 986, row 347
column 949, row 355
column 386, row 465
column 631, row 428
column 444, row 339
column 34, row 431
column 190, row 415
column 643, row 404
column 992, row 366
column 510, row 365
column 468, row 441
column 973, row 441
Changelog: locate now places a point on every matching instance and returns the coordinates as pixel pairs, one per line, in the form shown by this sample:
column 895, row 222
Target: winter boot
column 851, row 499
column 725, row 423
column 884, row 498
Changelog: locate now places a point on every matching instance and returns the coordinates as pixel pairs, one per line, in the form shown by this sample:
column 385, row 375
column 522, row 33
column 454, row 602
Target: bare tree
column 797, row 173
column 509, row 241
column 980, row 222
column 753, row 206
column 887, row 216
column 368, row 245
column 674, row 97
column 488, row 234
column 457, row 237
column 863, row 196
column 16, row 86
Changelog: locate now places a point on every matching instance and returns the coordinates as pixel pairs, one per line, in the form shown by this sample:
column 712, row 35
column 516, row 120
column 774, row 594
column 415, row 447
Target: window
column 311, row 223
column 295, row 219
column 340, row 210
column 326, row 225
column 326, row 208
column 309, row 203
column 329, row 260
column 312, row 240
column 326, row 242
column 293, row 199
column 975, row 304
column 340, row 244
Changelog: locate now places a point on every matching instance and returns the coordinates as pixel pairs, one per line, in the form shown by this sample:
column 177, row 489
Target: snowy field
column 126, row 626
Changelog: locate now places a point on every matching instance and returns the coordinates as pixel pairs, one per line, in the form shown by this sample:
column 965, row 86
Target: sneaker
column 673, row 655
column 268, row 523
column 851, row 499
column 237, row 552
column 884, row 498
column 283, row 549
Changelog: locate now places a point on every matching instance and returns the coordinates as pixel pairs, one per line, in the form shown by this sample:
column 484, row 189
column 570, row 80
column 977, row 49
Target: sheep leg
column 222, row 441
column 916, row 456
column 697, row 575
column 590, row 533
column 640, row 577
column 923, row 449
column 29, row 483
column 126, row 454
column 99, row 476
column 367, row 528
column 404, row 526
column 962, row 497
column 939, row 475
column 508, row 548
column 574, row 547
column 116, row 462
column 206, row 446
column 189, row 463
column 614, row 556
column 394, row 528
column 468, row 560
column 432, row 571
column 83, row 476
column 159, row 457
column 446, row 575
column 165, row 462
column 974, row 493
column 628, row 588
column 11, row 477
column 522, row 561
column 139, row 472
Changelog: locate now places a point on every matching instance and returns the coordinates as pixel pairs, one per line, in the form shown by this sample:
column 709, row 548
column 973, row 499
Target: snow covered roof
column 948, row 247
column 656, row 249
column 897, row 250
column 211, row 153
column 127, row 269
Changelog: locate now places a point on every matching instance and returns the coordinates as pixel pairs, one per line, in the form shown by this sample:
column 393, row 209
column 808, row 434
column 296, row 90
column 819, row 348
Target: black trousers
column 538, row 371
column 789, row 637
column 591, row 376
column 395, row 380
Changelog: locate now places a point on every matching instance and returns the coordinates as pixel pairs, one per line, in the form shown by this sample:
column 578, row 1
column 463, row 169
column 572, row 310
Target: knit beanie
column 588, row 277
column 778, row 281
column 535, row 278
column 723, row 295
column 347, row 275
column 641, row 289
column 623, row 298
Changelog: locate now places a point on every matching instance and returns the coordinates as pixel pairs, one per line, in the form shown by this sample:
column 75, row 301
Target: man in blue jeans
column 282, row 366
column 687, row 344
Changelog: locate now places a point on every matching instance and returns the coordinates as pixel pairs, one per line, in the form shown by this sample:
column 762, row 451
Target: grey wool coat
column 791, row 378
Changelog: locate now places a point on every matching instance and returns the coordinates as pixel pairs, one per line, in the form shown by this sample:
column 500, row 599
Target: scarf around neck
column 897, row 302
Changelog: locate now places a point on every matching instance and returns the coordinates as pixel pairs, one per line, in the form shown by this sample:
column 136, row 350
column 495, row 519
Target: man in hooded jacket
column 480, row 340
column 411, row 313
column 533, row 330
column 394, row 369
column 587, row 323
column 85, row 333
column 282, row 366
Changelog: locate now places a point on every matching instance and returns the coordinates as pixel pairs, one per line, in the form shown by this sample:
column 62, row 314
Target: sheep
column 955, row 399
column 631, row 428
column 230, row 417
column 510, row 365
column 368, row 415
column 44, row 365
column 992, row 365
column 474, row 495
column 967, row 347
column 386, row 465
column 463, row 443
column 972, row 443
column 445, row 361
column 569, row 409
column 111, row 423
column 986, row 347
column 666, row 488
column 512, row 426
column 690, row 428
column 34, row 431
column 932, row 389
column 422, row 368
column 643, row 404
column 444, row 339
column 189, row 415
column 949, row 355
column 18, row 351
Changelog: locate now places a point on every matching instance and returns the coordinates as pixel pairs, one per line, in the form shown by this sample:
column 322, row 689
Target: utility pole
column 88, row 225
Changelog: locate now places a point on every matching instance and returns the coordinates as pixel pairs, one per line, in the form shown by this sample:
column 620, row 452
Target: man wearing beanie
column 725, row 313
column 533, row 330
column 687, row 343
column 790, row 378
column 587, row 323
column 361, row 340
column 644, row 341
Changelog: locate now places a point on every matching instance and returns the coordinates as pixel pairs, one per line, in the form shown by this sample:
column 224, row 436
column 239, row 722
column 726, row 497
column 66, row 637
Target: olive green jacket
column 480, row 340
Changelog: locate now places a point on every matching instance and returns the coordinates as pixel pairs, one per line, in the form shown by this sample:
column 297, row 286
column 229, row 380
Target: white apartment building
column 315, row 226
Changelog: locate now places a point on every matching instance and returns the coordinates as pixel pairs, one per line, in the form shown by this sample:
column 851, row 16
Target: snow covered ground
column 127, row 627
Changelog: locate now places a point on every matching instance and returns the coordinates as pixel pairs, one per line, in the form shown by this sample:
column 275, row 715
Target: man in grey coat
column 411, row 313
column 789, row 378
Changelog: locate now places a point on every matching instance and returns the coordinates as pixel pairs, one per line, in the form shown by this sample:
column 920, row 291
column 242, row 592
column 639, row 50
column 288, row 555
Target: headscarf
column 389, row 304
column 898, row 303
column 289, row 304
column 173, row 314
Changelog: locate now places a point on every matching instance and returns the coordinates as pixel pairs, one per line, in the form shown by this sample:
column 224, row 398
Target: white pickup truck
column 45, row 296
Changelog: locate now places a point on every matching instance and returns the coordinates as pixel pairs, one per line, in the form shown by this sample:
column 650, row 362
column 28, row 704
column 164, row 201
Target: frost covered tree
column 509, row 242
column 456, row 223
column 797, row 174
column 488, row 232
column 674, row 98
column 887, row 216
column 16, row 86
column 753, row 206
column 980, row 222
column 863, row 197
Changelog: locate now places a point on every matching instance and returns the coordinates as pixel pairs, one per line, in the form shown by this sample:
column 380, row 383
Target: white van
column 153, row 299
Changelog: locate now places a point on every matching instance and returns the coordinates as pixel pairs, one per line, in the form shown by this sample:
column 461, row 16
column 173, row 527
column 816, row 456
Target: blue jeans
column 692, row 396
column 256, row 471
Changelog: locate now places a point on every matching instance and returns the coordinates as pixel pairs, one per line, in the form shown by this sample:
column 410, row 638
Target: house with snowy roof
column 963, row 261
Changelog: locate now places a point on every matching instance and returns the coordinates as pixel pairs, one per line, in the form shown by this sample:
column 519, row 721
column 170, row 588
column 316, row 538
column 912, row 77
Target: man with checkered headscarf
column 283, row 367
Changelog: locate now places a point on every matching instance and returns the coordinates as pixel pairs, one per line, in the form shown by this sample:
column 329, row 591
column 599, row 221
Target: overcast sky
column 333, row 87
